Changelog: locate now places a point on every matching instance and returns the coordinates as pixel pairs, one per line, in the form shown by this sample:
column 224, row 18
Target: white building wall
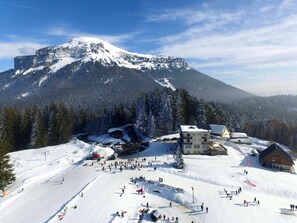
column 195, row 142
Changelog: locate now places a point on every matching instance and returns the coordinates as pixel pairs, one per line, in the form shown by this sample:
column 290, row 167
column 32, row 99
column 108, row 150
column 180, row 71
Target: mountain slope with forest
column 86, row 71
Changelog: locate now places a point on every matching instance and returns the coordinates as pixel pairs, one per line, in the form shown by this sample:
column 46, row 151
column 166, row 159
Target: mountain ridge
column 88, row 69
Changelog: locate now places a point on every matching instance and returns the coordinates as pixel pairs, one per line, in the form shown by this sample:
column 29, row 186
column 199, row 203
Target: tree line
column 154, row 113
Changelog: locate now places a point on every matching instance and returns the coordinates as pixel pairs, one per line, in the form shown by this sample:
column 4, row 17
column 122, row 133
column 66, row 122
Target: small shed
column 276, row 157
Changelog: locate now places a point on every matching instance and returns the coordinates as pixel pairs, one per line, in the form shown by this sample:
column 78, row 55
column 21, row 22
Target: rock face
column 87, row 69
column 25, row 62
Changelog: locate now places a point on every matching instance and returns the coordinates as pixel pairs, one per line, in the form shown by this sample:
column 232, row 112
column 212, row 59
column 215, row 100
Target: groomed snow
column 54, row 178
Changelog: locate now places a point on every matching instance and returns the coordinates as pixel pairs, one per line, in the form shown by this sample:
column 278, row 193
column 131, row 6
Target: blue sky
column 250, row 44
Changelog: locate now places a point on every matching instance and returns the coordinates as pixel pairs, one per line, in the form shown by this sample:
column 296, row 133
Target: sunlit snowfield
column 60, row 185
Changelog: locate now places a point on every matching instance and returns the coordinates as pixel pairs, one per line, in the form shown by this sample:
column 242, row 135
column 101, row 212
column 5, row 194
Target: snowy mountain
column 58, row 184
column 87, row 69
column 85, row 49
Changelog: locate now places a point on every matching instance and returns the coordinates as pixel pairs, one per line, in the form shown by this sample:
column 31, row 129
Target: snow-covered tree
column 38, row 136
column 141, row 115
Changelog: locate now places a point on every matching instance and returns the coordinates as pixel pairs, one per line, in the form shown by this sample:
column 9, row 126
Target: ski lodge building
column 194, row 140
column 275, row 157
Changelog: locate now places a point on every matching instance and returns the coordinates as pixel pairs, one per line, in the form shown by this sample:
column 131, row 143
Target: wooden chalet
column 275, row 157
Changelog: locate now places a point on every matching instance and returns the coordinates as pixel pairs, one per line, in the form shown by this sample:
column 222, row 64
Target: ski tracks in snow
column 58, row 216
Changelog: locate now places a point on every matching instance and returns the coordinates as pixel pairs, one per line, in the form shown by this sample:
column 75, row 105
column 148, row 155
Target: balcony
column 186, row 137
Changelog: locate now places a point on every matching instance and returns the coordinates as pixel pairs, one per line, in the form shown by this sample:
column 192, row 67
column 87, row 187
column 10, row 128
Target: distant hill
column 87, row 71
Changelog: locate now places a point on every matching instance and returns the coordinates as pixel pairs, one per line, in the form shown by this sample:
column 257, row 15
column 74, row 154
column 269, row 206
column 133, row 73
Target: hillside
column 87, row 71
column 91, row 194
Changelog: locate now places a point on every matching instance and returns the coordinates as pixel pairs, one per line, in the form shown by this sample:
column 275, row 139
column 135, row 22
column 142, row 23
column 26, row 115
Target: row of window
column 190, row 146
column 204, row 135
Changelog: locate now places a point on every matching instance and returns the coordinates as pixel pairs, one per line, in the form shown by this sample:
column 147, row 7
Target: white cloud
column 17, row 48
column 67, row 33
column 193, row 16
column 246, row 49
column 272, row 44
column 287, row 5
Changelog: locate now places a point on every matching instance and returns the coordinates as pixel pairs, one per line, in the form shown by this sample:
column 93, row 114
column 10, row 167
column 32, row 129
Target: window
column 197, row 146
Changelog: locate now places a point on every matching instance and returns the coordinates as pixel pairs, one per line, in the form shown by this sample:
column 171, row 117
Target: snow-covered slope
column 85, row 49
column 62, row 187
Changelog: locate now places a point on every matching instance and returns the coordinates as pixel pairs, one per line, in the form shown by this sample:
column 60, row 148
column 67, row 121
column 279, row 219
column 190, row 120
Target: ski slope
column 59, row 185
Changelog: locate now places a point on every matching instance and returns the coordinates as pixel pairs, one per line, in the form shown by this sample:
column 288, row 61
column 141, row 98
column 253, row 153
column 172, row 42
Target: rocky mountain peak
column 85, row 49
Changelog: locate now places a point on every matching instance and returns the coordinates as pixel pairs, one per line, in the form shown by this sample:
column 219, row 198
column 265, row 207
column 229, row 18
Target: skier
column 206, row 209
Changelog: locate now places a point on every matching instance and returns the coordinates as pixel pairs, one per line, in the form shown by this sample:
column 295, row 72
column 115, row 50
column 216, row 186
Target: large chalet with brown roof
column 274, row 156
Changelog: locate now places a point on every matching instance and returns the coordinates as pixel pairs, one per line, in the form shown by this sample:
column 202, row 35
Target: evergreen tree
column 54, row 129
column 7, row 134
column 65, row 124
column 6, row 171
column 25, row 129
column 188, row 108
column 141, row 115
column 38, row 137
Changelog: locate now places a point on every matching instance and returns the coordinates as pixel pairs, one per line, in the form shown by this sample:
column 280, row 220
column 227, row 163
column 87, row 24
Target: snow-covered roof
column 115, row 129
column 238, row 135
column 106, row 139
column 191, row 128
column 217, row 129
column 170, row 136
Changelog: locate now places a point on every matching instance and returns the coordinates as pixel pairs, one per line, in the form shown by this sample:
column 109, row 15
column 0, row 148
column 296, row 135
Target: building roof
column 217, row 129
column 204, row 126
column 191, row 128
column 238, row 135
column 276, row 147
column 120, row 129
